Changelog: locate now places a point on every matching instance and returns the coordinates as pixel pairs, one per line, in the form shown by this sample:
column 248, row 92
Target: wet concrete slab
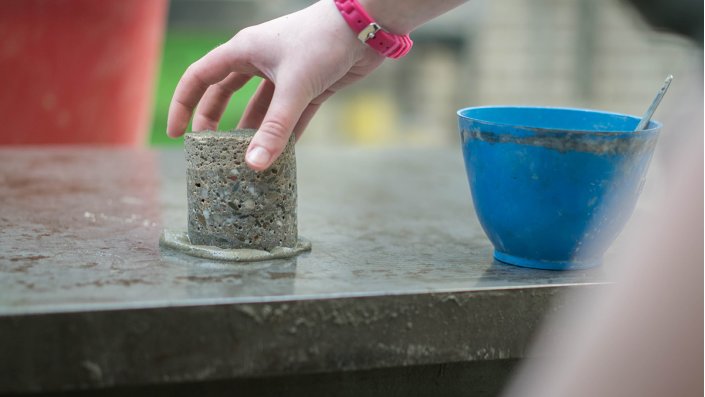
column 400, row 274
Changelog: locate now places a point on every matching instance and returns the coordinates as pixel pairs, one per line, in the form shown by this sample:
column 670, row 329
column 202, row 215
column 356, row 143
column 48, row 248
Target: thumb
column 288, row 102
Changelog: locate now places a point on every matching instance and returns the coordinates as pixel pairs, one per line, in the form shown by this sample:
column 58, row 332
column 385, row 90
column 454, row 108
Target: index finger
column 211, row 69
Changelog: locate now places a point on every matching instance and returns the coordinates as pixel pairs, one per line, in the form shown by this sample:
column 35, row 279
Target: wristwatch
column 369, row 32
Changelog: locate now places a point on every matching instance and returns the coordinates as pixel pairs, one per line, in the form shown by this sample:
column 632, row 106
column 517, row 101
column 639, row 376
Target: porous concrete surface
column 232, row 206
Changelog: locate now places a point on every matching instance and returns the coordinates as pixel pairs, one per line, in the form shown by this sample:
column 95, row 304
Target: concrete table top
column 400, row 274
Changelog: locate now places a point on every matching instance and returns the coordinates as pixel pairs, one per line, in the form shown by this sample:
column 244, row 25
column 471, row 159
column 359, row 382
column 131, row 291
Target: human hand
column 303, row 58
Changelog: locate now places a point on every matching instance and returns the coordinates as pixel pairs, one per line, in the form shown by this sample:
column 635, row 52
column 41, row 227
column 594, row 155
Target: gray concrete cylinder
column 232, row 206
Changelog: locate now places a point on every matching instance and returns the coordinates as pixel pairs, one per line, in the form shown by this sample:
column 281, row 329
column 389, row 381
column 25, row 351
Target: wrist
column 403, row 16
column 340, row 28
column 369, row 31
column 390, row 15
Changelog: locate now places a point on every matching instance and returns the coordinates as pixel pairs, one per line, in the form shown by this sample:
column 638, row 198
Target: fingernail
column 258, row 157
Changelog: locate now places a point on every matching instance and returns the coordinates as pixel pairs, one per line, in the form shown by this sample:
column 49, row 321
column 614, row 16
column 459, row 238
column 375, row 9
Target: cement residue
column 597, row 142
column 179, row 240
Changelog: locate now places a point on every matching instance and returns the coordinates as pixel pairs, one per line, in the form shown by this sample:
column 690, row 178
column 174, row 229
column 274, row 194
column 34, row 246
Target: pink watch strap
column 369, row 32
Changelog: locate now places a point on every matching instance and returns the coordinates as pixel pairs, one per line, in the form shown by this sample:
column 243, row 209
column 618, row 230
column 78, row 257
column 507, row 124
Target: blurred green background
column 181, row 49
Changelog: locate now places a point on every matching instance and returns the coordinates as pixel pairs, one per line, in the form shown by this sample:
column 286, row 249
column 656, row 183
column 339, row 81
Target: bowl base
column 546, row 265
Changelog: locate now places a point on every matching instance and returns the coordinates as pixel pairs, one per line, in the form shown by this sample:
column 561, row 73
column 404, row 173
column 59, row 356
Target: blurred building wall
column 581, row 53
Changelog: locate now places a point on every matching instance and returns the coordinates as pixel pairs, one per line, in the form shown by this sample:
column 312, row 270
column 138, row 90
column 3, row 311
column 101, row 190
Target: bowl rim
column 656, row 125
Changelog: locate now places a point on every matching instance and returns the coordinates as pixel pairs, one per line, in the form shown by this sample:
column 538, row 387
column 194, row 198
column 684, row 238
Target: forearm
column 403, row 16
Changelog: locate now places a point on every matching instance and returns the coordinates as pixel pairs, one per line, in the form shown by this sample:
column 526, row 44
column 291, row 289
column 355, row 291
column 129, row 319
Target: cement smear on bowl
column 179, row 240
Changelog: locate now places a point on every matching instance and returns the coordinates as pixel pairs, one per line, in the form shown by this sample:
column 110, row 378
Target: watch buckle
column 368, row 32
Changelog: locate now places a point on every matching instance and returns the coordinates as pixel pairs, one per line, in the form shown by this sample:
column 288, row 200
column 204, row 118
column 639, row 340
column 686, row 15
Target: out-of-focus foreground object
column 644, row 338
column 78, row 71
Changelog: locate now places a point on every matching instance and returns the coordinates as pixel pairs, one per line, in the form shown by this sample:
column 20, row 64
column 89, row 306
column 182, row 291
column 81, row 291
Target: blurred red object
column 78, row 71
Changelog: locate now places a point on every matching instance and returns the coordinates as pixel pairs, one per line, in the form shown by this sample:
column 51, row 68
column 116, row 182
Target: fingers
column 257, row 107
column 211, row 107
column 288, row 102
column 309, row 112
column 305, row 118
column 211, row 69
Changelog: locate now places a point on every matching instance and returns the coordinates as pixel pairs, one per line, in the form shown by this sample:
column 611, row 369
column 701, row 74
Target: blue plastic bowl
column 553, row 187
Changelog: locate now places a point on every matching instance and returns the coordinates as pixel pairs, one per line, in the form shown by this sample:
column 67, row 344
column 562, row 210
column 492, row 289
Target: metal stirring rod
column 650, row 111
